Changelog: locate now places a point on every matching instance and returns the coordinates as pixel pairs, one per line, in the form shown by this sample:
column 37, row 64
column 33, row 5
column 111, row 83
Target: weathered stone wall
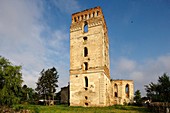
column 93, row 95
column 122, row 97
column 94, row 65
column 90, row 83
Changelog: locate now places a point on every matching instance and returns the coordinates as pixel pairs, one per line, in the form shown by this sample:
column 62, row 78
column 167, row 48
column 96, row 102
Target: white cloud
column 142, row 73
column 67, row 6
column 137, row 76
column 126, row 65
column 21, row 41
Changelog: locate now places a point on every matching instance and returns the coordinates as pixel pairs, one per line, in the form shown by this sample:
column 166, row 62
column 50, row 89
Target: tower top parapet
column 92, row 17
column 87, row 14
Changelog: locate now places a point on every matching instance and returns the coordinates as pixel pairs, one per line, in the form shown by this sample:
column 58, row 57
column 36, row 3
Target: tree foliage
column 137, row 97
column 47, row 83
column 10, row 82
column 27, row 94
column 160, row 91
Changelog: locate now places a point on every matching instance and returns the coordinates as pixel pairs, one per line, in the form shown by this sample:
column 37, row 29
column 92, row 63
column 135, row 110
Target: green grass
column 67, row 109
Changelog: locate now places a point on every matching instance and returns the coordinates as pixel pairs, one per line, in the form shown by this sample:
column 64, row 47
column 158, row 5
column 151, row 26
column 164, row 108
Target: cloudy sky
column 35, row 34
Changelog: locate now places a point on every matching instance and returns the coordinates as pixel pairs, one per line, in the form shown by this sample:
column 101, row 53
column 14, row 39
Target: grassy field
column 66, row 109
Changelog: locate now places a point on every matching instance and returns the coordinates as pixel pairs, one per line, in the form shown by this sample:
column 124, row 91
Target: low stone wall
column 160, row 107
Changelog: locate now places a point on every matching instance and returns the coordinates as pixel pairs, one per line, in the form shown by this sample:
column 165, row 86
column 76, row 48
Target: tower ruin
column 90, row 83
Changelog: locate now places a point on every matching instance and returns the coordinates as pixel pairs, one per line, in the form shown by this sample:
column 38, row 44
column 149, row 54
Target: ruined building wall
column 123, row 91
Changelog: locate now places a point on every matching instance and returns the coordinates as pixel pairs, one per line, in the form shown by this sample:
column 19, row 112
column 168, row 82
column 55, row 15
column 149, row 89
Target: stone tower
column 89, row 59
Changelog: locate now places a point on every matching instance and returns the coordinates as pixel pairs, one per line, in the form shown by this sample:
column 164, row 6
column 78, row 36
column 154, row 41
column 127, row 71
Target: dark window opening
column 93, row 14
column 78, row 18
column 85, row 38
column 116, row 90
column 116, row 94
column 86, row 97
column 85, row 51
column 85, row 16
column 127, row 90
column 85, row 27
column 86, row 104
column 86, row 82
column 75, row 19
column 97, row 13
column 85, row 66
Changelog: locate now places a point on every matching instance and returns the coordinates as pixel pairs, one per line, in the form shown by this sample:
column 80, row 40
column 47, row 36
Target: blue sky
column 35, row 34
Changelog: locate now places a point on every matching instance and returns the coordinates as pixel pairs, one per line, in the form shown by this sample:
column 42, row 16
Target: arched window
column 85, row 27
column 85, row 66
column 86, row 82
column 85, row 51
column 115, row 90
column 127, row 90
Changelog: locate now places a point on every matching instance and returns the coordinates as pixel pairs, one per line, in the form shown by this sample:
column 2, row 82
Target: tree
column 27, row 94
column 47, row 83
column 137, row 97
column 159, row 92
column 10, row 82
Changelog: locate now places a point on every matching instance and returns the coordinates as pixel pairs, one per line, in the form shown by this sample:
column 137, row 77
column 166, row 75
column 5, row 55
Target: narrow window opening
column 85, row 51
column 93, row 14
column 86, row 82
column 85, row 66
column 89, row 16
column 115, row 90
column 127, row 90
column 74, row 19
column 85, row 16
column 115, row 94
column 78, row 18
column 97, row 13
column 86, row 97
column 85, row 27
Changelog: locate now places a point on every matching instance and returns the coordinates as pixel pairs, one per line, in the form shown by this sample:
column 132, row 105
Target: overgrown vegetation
column 10, row 82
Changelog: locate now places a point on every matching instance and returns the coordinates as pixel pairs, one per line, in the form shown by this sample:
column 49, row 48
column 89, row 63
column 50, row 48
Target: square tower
column 89, row 59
